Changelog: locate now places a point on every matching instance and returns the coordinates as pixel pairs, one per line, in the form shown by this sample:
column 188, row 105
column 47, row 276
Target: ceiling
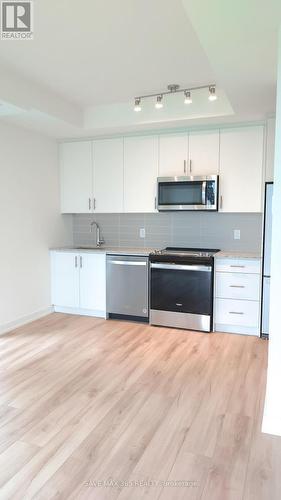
column 87, row 61
column 109, row 51
column 240, row 39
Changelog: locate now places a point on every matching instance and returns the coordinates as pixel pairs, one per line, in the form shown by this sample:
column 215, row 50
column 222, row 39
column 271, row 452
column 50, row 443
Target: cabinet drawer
column 237, row 286
column 251, row 266
column 237, row 312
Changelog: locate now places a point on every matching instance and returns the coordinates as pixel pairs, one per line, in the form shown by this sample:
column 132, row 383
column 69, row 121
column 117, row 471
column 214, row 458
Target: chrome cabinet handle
column 239, row 267
column 190, row 166
column 155, row 203
column 90, row 204
column 220, row 201
column 235, row 312
column 81, row 262
column 184, row 166
column 236, row 286
column 95, row 204
column 76, row 261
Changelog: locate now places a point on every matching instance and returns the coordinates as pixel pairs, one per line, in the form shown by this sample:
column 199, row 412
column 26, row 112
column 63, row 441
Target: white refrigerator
column 266, row 265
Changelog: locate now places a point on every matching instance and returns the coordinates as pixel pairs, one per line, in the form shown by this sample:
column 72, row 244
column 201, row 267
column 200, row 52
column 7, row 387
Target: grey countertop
column 238, row 255
column 147, row 251
column 106, row 250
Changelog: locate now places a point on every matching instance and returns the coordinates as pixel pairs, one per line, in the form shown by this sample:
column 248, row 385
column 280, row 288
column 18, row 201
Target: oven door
column 187, row 193
column 182, row 295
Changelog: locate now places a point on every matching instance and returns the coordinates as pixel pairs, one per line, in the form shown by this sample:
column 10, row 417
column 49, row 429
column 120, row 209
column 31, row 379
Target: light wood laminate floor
column 86, row 404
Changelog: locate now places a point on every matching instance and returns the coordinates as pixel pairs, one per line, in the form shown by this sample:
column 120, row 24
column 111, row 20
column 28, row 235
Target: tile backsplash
column 191, row 229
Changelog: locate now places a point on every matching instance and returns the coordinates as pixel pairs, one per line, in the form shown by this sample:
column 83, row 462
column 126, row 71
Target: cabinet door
column 76, row 177
column 237, row 312
column 65, row 279
column 140, row 173
column 108, row 175
column 270, row 146
column 92, row 282
column 173, row 155
column 204, row 153
column 241, row 286
column 241, row 169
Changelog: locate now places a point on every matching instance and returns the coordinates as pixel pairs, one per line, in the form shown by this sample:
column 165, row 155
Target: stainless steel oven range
column 181, row 288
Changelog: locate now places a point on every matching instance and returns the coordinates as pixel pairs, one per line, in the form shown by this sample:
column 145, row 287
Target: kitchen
column 165, row 209
column 140, row 208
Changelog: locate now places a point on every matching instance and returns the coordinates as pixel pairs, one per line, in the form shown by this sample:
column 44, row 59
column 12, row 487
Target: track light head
column 159, row 102
column 137, row 104
column 212, row 96
column 187, row 97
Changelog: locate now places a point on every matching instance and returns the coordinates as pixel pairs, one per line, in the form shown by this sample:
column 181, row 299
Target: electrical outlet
column 142, row 232
column 236, row 234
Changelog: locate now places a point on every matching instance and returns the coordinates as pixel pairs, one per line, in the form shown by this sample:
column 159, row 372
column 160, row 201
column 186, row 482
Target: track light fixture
column 137, row 104
column 212, row 90
column 159, row 102
column 187, row 97
column 175, row 89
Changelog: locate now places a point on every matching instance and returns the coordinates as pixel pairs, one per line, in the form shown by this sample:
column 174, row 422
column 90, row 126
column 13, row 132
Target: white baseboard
column 24, row 320
column 271, row 425
column 82, row 312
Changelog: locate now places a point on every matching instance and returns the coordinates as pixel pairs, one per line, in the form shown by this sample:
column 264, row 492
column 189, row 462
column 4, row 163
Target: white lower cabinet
column 237, row 296
column 245, row 266
column 237, row 312
column 241, row 286
column 65, row 279
column 79, row 283
column 92, row 282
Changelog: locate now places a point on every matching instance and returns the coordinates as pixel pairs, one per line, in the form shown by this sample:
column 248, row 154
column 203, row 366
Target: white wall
column 30, row 223
column 272, row 413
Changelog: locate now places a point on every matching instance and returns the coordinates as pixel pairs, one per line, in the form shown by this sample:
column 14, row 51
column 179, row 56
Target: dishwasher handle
column 127, row 263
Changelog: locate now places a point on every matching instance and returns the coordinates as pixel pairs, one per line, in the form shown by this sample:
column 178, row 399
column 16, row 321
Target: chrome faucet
column 99, row 238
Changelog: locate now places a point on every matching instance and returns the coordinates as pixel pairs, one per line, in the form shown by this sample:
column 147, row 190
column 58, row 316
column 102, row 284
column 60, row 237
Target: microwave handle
column 204, row 184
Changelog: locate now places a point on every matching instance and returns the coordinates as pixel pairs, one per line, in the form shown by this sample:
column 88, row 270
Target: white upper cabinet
column 173, row 154
column 76, row 177
column 204, row 153
column 120, row 174
column 108, row 175
column 270, row 145
column 140, row 173
column 241, row 169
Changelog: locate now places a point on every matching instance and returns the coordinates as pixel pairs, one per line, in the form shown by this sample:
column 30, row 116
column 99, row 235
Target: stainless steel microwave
column 188, row 193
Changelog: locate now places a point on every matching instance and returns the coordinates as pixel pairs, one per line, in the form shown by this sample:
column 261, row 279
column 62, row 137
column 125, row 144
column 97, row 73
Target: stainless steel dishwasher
column 127, row 287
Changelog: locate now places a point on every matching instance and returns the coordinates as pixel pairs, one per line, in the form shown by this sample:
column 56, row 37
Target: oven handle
column 181, row 267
